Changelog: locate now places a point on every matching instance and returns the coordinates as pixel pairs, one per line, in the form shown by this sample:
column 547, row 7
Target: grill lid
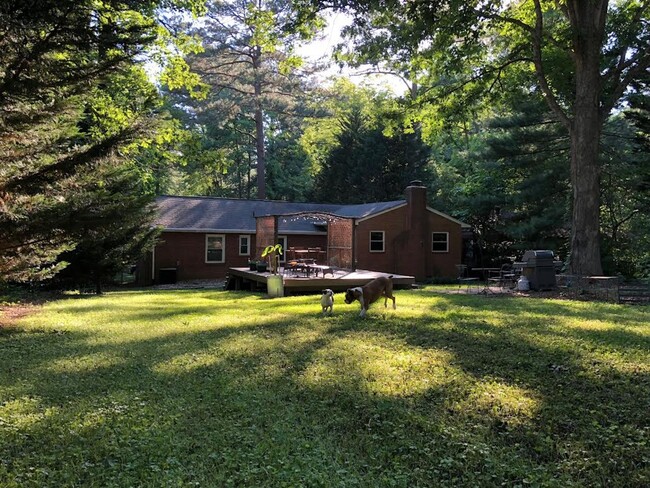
column 542, row 257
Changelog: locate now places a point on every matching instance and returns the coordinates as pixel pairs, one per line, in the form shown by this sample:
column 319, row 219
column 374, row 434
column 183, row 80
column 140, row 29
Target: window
column 440, row 242
column 214, row 248
column 376, row 241
column 244, row 245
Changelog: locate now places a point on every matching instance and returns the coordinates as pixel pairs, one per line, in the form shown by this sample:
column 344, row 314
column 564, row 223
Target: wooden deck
column 296, row 282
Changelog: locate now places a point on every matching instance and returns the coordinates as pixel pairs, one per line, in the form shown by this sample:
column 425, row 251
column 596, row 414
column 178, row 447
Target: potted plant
column 274, row 283
column 272, row 253
column 261, row 266
column 252, row 265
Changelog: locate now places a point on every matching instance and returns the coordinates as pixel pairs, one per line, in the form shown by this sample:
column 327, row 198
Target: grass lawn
column 213, row 388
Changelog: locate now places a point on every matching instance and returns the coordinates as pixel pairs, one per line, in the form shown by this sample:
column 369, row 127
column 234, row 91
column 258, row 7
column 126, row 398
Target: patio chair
column 464, row 278
column 505, row 277
column 290, row 254
column 292, row 263
column 313, row 254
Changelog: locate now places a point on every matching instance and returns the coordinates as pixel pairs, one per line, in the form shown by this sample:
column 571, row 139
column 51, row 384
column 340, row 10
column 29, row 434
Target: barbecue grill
column 539, row 268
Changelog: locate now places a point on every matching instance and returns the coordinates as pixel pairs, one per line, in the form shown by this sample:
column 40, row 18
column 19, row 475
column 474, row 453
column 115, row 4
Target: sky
column 322, row 49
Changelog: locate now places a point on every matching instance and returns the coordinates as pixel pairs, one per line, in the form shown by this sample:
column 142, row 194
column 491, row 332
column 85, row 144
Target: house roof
column 212, row 214
column 202, row 214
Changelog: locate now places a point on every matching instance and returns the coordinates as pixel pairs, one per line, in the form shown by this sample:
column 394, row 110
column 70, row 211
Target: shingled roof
column 210, row 214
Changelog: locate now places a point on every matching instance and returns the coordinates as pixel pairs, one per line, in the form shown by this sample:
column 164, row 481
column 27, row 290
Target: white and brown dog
column 327, row 301
column 371, row 292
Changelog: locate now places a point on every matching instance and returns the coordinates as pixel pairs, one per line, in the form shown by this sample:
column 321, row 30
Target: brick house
column 204, row 236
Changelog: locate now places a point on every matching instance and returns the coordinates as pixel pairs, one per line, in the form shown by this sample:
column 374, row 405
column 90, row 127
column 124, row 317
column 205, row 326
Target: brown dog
column 371, row 292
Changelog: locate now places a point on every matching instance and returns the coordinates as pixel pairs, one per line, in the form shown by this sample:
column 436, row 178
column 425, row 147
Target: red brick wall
column 393, row 224
column 406, row 253
column 444, row 264
column 185, row 251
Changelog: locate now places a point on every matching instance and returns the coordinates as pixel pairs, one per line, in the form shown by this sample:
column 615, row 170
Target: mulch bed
column 557, row 293
column 9, row 314
column 193, row 285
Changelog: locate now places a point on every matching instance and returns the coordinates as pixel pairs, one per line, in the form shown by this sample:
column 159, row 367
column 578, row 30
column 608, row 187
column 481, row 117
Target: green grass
column 213, row 388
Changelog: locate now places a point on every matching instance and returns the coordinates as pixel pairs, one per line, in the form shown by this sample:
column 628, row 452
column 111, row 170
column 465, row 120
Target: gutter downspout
column 153, row 265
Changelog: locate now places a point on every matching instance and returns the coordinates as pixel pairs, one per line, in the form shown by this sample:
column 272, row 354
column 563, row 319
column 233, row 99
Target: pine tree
column 114, row 233
column 68, row 114
column 251, row 69
column 367, row 165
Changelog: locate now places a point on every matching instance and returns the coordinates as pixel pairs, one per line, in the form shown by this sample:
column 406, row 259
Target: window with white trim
column 215, row 248
column 244, row 245
column 440, row 242
column 377, row 243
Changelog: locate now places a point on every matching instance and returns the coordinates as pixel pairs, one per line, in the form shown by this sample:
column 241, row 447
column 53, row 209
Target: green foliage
column 288, row 170
column 249, row 69
column 366, row 165
column 177, row 388
column 114, row 234
column 74, row 108
column 177, row 75
column 626, row 196
column 272, row 253
column 362, row 149
column 523, row 183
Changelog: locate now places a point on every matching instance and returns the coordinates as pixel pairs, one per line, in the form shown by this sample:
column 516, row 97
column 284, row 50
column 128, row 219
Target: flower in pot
column 252, row 265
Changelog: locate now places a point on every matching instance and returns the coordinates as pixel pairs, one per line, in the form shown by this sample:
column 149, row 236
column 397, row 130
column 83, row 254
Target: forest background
column 90, row 134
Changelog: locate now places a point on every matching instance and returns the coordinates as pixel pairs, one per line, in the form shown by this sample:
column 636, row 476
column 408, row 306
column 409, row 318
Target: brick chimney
column 416, row 199
column 417, row 225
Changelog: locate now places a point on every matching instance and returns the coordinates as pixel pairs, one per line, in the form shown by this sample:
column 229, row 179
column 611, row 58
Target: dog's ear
column 352, row 293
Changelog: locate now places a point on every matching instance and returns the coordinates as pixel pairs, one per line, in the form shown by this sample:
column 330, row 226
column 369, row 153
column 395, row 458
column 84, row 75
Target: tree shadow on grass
column 624, row 315
column 592, row 382
column 275, row 402
column 614, row 326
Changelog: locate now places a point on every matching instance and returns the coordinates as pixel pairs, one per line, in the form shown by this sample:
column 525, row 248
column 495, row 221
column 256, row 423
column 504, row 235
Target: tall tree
column 585, row 54
column 631, row 211
column 625, row 190
column 58, row 126
column 341, row 177
column 250, row 65
column 288, row 172
column 510, row 181
column 366, row 164
column 114, row 232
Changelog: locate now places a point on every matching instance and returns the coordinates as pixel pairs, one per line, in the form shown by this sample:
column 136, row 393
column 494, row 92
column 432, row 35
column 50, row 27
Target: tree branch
column 32, row 182
column 539, row 67
column 642, row 64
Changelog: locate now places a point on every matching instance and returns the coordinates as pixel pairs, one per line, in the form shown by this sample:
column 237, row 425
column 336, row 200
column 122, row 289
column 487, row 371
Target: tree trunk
column 261, row 156
column 585, row 180
column 259, row 127
column 588, row 24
